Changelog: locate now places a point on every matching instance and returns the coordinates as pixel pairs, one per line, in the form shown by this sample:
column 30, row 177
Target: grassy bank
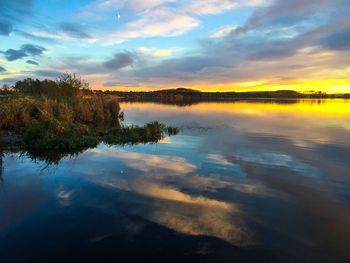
column 65, row 116
column 43, row 136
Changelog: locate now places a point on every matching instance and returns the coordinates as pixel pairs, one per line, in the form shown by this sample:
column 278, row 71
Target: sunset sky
column 215, row 45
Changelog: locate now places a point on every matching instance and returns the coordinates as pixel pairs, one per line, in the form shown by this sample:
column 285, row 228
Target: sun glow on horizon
column 331, row 86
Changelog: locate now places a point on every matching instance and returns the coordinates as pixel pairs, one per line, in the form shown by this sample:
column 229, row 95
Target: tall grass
column 19, row 114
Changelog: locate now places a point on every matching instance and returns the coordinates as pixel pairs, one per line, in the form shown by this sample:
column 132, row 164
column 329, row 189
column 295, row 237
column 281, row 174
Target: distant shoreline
column 184, row 97
column 178, row 95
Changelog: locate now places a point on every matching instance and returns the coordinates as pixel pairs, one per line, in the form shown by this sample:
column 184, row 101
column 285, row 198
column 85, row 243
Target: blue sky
column 203, row 44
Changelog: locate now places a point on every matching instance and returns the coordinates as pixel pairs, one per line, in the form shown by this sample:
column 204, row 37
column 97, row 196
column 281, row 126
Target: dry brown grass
column 20, row 113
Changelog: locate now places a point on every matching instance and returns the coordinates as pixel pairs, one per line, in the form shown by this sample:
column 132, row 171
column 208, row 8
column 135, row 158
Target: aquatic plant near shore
column 151, row 132
column 52, row 136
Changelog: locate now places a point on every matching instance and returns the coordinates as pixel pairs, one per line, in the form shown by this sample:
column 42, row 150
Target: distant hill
column 178, row 90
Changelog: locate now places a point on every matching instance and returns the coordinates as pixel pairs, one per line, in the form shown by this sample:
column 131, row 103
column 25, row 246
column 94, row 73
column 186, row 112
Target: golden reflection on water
column 324, row 108
column 303, row 121
column 305, row 106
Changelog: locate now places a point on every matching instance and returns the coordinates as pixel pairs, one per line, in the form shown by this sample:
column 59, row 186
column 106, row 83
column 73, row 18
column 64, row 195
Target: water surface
column 243, row 181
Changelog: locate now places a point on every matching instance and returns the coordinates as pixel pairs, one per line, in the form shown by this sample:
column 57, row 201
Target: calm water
column 244, row 181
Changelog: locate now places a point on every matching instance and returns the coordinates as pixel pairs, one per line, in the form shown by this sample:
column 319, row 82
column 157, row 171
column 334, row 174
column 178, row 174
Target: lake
column 247, row 181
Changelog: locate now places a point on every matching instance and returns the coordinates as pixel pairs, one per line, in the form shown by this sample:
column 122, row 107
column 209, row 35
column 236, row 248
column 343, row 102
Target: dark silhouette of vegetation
column 67, row 86
column 183, row 96
column 64, row 116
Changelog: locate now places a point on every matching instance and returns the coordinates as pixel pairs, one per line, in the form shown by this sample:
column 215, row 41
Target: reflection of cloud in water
column 219, row 159
column 64, row 196
column 217, row 182
column 185, row 213
column 281, row 160
column 169, row 206
column 149, row 162
column 169, row 193
column 195, row 215
column 201, row 220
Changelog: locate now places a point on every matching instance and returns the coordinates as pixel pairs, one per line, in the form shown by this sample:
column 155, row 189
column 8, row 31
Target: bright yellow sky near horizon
column 331, row 86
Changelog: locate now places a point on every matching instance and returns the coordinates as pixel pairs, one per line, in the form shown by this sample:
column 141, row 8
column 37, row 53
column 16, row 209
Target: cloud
column 67, row 31
column 12, row 13
column 15, row 9
column 141, row 6
column 338, row 40
column 223, row 31
column 81, row 65
column 12, row 54
column 136, row 6
column 206, row 7
column 145, row 50
column 48, row 73
column 34, row 37
column 269, row 50
column 165, row 23
column 191, row 7
column 120, row 84
column 175, row 68
column 10, row 81
column 155, row 52
column 274, row 50
column 288, row 12
column 5, row 28
column 73, row 30
column 119, row 61
column 165, row 18
column 2, row 69
column 32, row 62
column 162, row 53
column 24, row 51
column 33, row 49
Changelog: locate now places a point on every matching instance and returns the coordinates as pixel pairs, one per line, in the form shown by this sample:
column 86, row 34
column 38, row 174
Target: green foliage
column 149, row 133
column 51, row 135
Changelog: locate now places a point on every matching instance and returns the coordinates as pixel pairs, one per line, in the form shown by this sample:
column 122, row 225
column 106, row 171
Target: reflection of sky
column 257, row 168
